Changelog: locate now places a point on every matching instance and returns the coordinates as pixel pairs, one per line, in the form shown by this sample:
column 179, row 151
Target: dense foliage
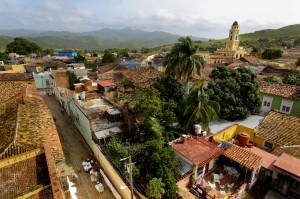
column 169, row 88
column 182, row 61
column 292, row 79
column 108, row 57
column 298, row 62
column 197, row 108
column 272, row 78
column 155, row 188
column 22, row 46
column 3, row 56
column 73, row 79
column 79, row 58
column 272, row 54
column 236, row 90
column 153, row 157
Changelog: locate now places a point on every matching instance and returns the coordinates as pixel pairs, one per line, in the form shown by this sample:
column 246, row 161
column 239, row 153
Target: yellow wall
column 247, row 130
column 18, row 68
column 229, row 133
column 226, row 134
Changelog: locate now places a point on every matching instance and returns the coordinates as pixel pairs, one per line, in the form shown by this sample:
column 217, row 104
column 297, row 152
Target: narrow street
column 76, row 150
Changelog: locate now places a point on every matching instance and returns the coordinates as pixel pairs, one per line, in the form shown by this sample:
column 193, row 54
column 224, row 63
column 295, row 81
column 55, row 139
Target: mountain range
column 122, row 38
column 99, row 39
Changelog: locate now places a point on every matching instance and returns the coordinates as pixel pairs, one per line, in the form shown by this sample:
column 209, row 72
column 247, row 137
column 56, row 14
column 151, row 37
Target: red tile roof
column 105, row 83
column 268, row 158
column 198, row 151
column 15, row 76
column 243, row 157
column 289, row 164
column 284, row 90
column 252, row 60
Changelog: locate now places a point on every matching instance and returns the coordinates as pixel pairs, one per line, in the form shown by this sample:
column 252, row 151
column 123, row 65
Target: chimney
column 183, row 138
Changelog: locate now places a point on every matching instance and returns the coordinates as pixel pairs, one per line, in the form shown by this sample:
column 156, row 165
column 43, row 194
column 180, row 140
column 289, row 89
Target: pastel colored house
column 43, row 80
column 282, row 97
column 203, row 160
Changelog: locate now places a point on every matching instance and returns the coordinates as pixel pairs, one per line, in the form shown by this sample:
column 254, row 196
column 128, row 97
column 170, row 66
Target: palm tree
column 199, row 109
column 182, row 61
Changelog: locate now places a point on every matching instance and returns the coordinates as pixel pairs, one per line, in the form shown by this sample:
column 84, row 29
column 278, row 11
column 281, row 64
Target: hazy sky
column 201, row 18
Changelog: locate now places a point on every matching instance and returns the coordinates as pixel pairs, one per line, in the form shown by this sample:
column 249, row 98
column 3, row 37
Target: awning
column 106, row 133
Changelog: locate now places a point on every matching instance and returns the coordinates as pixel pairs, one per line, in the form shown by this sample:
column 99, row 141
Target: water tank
column 183, row 138
column 88, row 82
column 243, row 139
column 197, row 128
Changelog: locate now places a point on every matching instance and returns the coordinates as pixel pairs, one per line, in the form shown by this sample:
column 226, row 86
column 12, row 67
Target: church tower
column 233, row 39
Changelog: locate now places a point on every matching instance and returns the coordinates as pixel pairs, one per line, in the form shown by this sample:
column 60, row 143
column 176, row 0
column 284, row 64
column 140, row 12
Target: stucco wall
column 83, row 125
column 276, row 103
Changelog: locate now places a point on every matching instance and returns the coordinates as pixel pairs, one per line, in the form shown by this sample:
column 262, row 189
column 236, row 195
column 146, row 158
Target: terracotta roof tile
column 243, row 157
column 105, row 83
column 252, row 60
column 268, row 158
column 10, row 89
column 284, row 90
column 199, row 151
column 293, row 151
column 280, row 128
column 142, row 76
column 289, row 164
column 15, row 76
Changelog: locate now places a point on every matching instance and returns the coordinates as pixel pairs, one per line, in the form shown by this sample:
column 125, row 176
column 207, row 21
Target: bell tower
column 233, row 39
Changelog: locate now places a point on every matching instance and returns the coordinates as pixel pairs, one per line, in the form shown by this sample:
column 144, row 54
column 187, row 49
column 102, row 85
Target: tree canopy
column 22, row 46
column 169, row 88
column 108, row 57
column 198, row 109
column 272, row 54
column 182, row 61
column 3, row 56
column 272, row 78
column 155, row 188
column 292, row 79
column 298, row 62
column 236, row 90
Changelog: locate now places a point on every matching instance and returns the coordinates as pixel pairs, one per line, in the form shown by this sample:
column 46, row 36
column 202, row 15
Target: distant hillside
column 99, row 39
column 291, row 31
column 4, row 40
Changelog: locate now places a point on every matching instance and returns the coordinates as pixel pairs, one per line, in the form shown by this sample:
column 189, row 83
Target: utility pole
column 130, row 173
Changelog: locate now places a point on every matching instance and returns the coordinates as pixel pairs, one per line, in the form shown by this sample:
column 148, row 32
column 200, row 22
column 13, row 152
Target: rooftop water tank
column 243, row 139
column 197, row 128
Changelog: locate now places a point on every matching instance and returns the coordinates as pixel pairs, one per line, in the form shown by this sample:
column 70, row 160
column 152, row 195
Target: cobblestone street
column 76, row 150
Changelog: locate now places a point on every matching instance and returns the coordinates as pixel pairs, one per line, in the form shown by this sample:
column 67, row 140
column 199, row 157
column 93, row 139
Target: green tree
column 124, row 53
column 292, row 79
column 199, row 109
column 155, row 188
column 108, row 57
column 182, row 61
column 272, row 78
column 169, row 88
column 236, row 90
column 73, row 79
column 79, row 58
column 3, row 56
column 298, row 62
column 152, row 129
column 22, row 46
column 272, row 54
